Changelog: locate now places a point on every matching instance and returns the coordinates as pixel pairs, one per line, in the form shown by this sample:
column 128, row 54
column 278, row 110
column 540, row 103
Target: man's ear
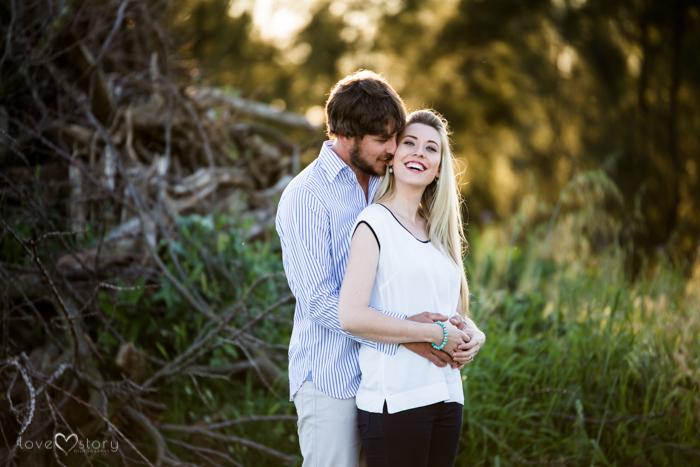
column 344, row 138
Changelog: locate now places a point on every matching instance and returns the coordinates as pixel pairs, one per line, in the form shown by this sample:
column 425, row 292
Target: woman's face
column 417, row 158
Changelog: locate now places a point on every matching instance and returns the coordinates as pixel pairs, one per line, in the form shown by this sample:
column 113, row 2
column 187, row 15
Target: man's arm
column 304, row 230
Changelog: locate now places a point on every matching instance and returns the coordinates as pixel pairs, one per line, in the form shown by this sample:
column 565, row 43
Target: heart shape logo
column 65, row 439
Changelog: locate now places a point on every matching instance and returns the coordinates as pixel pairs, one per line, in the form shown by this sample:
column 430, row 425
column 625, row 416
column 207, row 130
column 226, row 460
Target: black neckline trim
column 404, row 227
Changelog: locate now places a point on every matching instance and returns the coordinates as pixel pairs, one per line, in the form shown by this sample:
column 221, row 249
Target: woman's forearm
column 373, row 325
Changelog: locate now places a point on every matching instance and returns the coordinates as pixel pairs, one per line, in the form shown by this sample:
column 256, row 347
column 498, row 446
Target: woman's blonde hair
column 440, row 204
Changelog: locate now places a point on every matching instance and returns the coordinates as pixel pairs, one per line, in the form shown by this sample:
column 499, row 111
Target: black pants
column 423, row 437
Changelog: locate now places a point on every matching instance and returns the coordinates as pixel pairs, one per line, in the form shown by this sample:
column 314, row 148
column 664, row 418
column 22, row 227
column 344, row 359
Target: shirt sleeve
column 304, row 229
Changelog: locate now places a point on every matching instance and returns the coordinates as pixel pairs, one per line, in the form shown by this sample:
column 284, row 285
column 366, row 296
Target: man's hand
column 437, row 357
column 459, row 323
column 468, row 350
column 427, row 317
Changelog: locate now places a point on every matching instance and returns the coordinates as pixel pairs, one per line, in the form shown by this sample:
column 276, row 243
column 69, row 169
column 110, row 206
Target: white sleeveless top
column 412, row 277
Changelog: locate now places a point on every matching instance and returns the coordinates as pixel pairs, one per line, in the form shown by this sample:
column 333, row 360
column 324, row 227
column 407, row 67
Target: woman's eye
column 430, row 148
column 410, row 143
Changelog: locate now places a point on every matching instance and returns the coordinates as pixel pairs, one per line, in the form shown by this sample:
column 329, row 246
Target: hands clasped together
column 463, row 341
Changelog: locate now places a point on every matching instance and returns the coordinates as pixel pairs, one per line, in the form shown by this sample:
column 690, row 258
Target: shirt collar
column 331, row 163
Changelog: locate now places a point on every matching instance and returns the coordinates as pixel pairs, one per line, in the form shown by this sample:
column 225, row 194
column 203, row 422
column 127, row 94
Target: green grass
column 581, row 366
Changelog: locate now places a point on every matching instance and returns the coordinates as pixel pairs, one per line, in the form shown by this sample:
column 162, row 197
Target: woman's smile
column 415, row 166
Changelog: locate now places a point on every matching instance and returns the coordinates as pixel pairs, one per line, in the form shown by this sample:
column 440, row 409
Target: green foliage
column 218, row 265
column 216, row 262
column 540, row 370
column 582, row 367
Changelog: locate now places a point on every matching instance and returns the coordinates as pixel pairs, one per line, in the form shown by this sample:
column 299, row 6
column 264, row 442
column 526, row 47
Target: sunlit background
column 536, row 91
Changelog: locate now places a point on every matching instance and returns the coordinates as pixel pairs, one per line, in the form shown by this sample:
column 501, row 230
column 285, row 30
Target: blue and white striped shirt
column 314, row 218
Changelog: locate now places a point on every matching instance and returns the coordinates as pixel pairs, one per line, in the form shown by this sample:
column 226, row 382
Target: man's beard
column 361, row 163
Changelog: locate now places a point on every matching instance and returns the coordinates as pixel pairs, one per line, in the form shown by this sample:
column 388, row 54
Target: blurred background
column 144, row 145
column 536, row 91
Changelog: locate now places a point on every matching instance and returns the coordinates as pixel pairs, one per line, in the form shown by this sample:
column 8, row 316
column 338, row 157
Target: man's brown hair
column 363, row 103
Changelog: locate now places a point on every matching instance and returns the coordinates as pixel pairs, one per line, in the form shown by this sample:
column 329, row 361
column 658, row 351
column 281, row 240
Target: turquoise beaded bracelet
column 444, row 339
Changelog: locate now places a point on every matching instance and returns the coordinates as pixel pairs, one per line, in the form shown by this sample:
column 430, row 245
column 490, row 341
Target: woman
column 406, row 254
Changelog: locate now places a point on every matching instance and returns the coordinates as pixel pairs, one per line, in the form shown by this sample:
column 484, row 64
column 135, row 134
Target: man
column 316, row 212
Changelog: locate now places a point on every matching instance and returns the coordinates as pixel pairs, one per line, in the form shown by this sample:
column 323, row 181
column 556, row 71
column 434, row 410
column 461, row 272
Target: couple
column 372, row 243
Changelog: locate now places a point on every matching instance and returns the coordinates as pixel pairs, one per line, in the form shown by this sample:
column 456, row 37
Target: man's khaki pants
column 327, row 427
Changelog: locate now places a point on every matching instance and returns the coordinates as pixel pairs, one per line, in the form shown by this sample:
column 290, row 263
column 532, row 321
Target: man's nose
column 391, row 146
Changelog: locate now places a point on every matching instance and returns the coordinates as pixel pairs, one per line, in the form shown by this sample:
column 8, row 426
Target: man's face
column 371, row 153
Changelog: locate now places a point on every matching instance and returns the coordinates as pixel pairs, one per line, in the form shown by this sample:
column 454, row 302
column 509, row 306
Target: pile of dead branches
column 104, row 136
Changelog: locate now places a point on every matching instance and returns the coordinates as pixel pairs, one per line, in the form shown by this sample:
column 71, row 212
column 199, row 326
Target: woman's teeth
column 415, row 166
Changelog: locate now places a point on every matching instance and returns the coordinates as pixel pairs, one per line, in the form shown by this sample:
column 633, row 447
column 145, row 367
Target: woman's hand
column 466, row 352
column 455, row 338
